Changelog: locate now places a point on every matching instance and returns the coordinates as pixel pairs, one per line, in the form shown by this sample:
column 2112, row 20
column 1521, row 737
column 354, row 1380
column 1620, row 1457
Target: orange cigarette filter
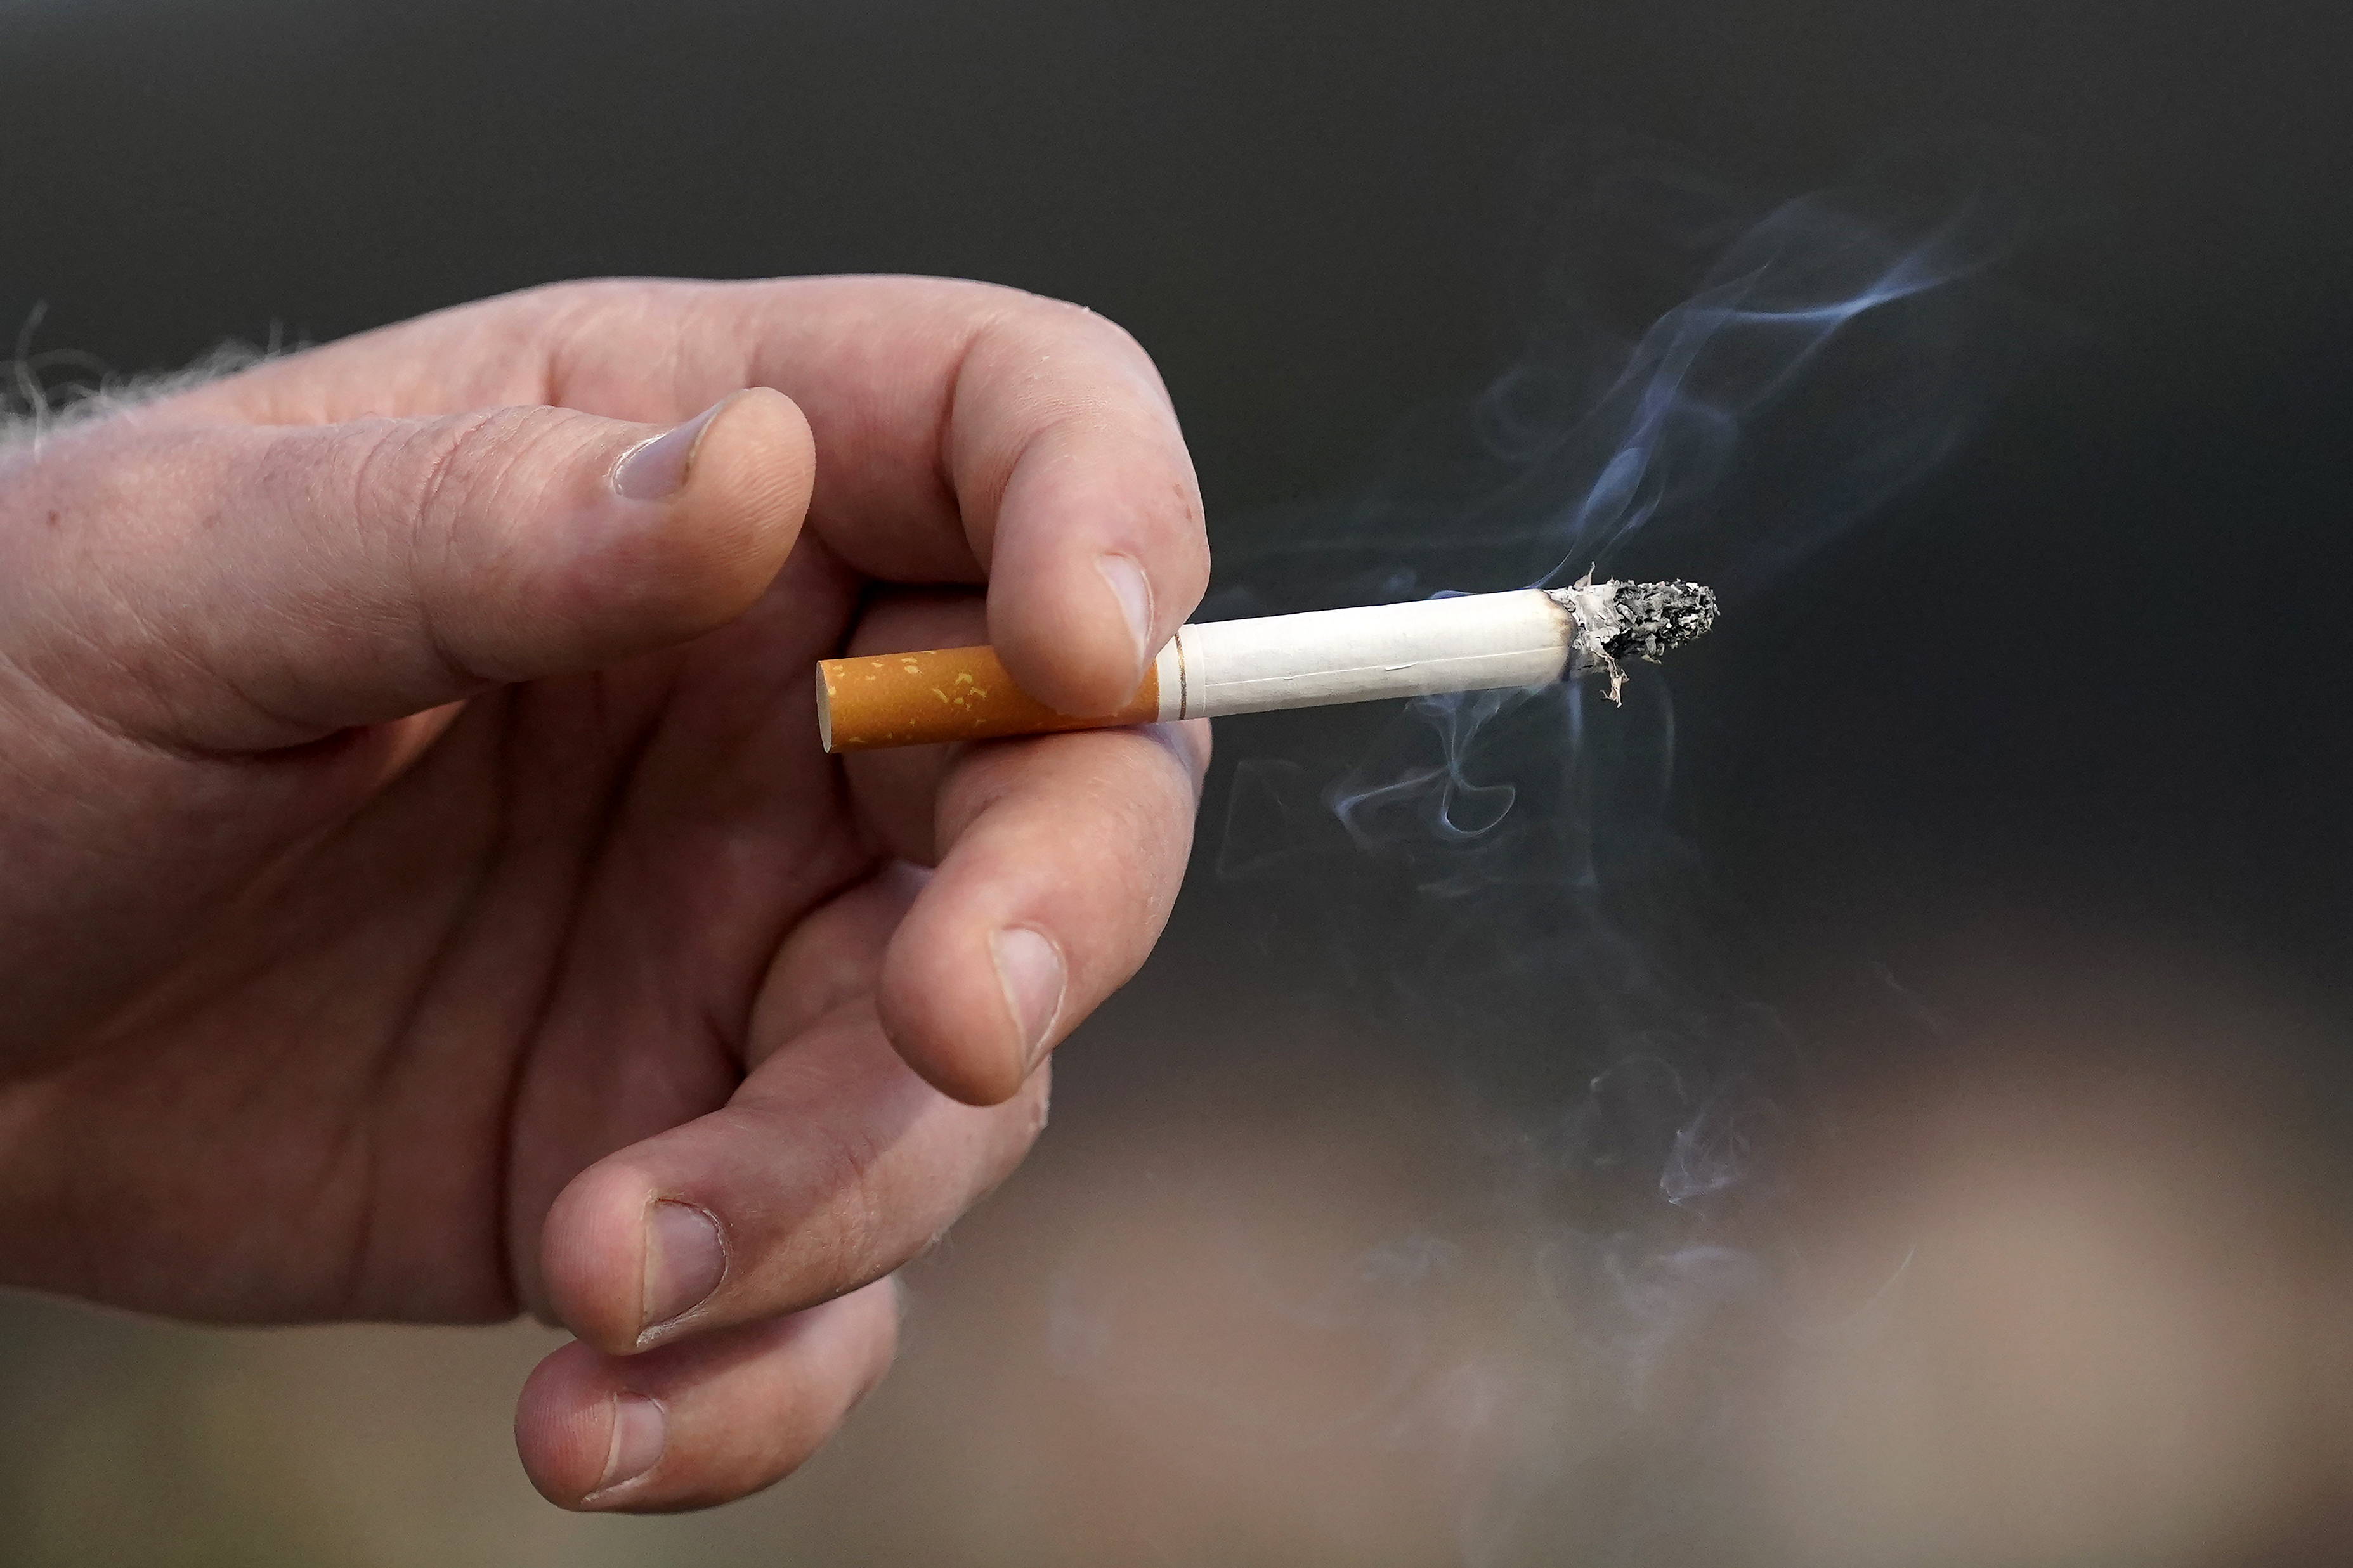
column 945, row 694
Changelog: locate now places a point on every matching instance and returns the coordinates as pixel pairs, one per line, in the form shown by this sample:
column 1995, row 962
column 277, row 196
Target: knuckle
column 986, row 298
column 572, row 300
column 437, row 481
column 429, row 498
column 580, row 321
column 400, row 469
column 856, row 1246
column 566, row 292
column 1023, row 322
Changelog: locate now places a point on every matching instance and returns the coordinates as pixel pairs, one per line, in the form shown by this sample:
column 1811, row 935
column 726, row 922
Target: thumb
column 244, row 588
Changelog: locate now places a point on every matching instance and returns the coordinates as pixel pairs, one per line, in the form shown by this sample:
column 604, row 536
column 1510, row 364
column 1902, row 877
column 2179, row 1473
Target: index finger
column 1060, row 859
column 963, row 432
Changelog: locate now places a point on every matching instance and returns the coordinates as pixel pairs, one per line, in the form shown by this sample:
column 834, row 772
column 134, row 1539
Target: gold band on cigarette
column 945, row 694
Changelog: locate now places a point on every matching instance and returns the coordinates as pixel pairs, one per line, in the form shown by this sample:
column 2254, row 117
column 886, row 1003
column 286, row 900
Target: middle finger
column 831, row 1166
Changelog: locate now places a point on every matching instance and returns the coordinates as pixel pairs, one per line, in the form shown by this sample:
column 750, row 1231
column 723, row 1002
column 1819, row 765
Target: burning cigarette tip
column 1655, row 616
column 1632, row 620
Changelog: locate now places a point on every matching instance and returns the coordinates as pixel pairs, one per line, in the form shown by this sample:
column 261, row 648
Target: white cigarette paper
column 1468, row 643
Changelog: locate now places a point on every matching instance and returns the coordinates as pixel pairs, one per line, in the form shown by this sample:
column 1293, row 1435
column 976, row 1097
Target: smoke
column 1498, row 880
column 1830, row 350
column 1820, row 354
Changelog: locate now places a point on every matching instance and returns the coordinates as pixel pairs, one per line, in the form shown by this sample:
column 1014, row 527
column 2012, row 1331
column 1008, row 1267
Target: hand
column 426, row 897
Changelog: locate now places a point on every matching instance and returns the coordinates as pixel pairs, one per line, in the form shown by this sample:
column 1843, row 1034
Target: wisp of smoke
column 1498, row 873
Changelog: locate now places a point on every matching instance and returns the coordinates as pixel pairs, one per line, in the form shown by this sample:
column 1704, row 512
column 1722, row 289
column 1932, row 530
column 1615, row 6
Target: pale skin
column 426, row 899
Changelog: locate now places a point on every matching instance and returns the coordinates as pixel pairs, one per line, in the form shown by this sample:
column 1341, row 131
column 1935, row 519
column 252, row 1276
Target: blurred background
column 1880, row 1098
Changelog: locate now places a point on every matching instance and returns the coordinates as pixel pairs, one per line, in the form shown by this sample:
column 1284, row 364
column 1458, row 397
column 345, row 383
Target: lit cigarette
column 1472, row 642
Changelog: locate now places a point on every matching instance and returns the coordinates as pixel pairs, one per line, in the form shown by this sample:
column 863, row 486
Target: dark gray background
column 2073, row 709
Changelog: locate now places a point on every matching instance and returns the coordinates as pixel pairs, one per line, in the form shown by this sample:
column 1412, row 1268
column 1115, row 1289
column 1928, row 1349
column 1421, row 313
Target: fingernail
column 684, row 1258
column 656, row 469
column 639, row 1432
column 1135, row 594
column 1030, row 968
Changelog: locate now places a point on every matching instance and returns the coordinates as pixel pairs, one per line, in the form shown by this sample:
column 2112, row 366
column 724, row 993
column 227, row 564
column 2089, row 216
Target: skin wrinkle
column 424, row 506
column 22, row 1109
column 856, row 874
column 393, row 1053
column 573, row 308
column 104, row 733
column 338, row 1196
column 501, row 1156
column 682, row 394
column 848, row 1160
column 291, row 1047
column 728, row 1028
column 85, row 717
column 357, row 1251
column 299, row 732
column 852, row 1006
column 145, row 1012
column 597, row 303
column 1059, row 418
column 148, row 633
column 365, row 485
column 280, row 1059
column 488, row 872
column 873, row 840
column 821, row 517
column 946, row 449
column 169, row 734
column 16, row 674
column 737, row 1036
column 594, row 863
column 82, row 1219
column 396, row 1042
column 727, row 1035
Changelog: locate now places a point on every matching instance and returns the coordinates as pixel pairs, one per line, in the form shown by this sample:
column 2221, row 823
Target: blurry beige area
column 2080, row 1301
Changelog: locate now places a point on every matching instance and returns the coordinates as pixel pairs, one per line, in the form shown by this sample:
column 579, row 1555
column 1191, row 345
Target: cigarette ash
column 1632, row 620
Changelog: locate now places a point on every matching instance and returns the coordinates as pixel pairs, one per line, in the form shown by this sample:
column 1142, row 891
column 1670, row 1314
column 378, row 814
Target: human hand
column 426, row 899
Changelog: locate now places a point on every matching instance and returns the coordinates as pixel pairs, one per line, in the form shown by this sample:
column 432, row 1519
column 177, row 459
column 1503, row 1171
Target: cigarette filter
column 1469, row 642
